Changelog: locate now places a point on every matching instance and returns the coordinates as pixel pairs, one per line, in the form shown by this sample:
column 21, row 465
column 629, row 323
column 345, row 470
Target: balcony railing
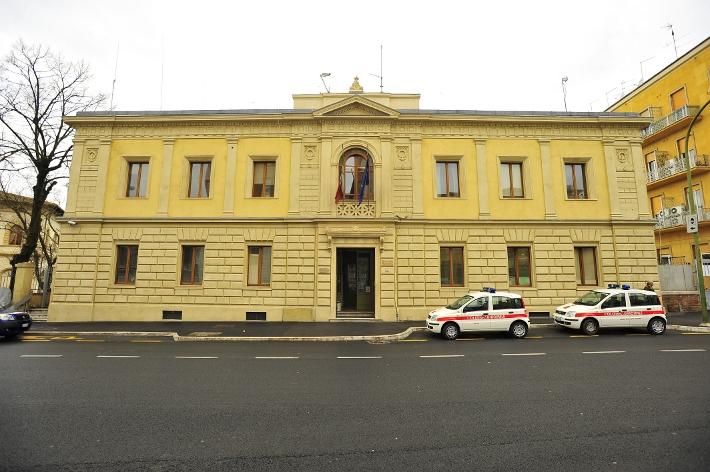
column 677, row 165
column 352, row 208
column 677, row 115
column 680, row 219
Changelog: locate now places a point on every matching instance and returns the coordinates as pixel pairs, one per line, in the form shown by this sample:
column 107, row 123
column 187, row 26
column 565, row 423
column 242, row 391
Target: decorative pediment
column 356, row 106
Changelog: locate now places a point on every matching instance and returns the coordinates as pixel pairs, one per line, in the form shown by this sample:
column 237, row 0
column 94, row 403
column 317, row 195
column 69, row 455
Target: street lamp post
column 694, row 211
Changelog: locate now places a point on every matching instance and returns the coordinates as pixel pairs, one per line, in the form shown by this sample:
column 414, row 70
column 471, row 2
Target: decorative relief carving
column 402, row 160
column 623, row 160
column 353, row 209
column 356, row 127
column 309, row 153
column 356, row 109
column 91, row 154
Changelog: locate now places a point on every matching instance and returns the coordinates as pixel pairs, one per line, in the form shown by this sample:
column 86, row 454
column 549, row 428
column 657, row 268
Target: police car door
column 503, row 308
column 614, row 311
column 641, row 308
column 475, row 314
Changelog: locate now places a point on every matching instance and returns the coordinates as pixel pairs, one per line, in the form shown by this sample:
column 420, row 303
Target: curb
column 690, row 329
column 382, row 338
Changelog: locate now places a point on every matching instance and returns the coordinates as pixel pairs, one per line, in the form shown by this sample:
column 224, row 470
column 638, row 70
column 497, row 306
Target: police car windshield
column 591, row 298
column 459, row 303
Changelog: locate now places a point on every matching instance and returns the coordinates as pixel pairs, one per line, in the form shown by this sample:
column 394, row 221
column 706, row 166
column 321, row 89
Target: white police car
column 486, row 310
column 615, row 307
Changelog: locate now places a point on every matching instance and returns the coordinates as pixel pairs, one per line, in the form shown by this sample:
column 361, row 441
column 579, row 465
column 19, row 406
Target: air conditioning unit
column 676, row 210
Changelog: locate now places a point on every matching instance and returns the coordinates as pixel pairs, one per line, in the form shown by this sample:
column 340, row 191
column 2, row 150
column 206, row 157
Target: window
column 355, row 176
column 192, row 265
column 478, row 304
column 15, row 237
column 678, row 99
column 585, row 262
column 511, row 179
column 640, row 299
column 506, row 303
column 126, row 263
column 137, row 179
column 697, row 197
column 615, row 301
column 652, row 166
column 199, row 179
column 451, row 266
column 447, row 179
column 519, row 266
column 575, row 175
column 259, row 265
column 264, row 179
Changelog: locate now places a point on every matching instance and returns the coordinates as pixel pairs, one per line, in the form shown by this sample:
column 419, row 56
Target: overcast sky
column 501, row 55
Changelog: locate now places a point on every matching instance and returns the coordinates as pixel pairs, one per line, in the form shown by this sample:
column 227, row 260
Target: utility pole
column 564, row 90
column 694, row 212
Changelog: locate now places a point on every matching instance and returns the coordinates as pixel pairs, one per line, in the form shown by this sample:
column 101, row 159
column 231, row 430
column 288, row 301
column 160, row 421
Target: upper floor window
column 137, row 179
column 678, row 99
column 447, row 179
column 511, row 179
column 355, row 180
column 15, row 237
column 264, row 181
column 576, row 178
column 200, row 179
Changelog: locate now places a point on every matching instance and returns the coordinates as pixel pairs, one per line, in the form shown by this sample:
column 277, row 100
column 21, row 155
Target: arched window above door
column 355, row 176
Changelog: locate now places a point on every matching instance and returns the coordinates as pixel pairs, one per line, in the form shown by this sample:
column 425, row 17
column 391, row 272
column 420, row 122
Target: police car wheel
column 657, row 326
column 590, row 326
column 518, row 329
column 450, row 331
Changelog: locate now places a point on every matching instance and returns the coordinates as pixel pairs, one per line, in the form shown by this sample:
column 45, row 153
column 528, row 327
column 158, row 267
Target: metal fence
column 677, row 277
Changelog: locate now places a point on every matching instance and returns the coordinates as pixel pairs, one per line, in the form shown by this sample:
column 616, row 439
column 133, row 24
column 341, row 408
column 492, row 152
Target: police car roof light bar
column 489, row 289
column 626, row 287
column 612, row 286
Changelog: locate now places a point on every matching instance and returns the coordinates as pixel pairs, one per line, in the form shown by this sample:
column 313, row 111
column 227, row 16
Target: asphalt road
column 621, row 401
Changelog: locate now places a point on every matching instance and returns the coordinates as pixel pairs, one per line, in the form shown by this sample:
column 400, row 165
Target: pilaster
column 231, row 177
column 640, row 170
column 295, row 190
column 417, row 184
column 385, row 177
column 327, row 173
column 165, row 176
column 612, row 184
column 484, row 211
column 74, row 173
column 102, row 173
column 548, row 183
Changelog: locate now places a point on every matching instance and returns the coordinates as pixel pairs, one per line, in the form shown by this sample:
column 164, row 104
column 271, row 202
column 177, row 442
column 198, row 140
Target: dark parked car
column 14, row 323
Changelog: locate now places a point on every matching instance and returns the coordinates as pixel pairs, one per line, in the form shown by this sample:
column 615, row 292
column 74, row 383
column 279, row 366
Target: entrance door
column 355, row 283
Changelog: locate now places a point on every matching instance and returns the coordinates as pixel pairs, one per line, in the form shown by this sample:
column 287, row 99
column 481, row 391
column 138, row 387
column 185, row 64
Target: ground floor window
column 126, row 263
column 585, row 262
column 451, row 266
column 192, row 265
column 519, row 266
column 259, row 265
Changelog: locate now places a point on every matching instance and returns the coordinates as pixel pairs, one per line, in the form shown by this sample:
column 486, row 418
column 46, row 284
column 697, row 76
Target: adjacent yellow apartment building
column 671, row 98
column 348, row 205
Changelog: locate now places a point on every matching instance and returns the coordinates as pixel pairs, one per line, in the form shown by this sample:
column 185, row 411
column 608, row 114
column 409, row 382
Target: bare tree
column 37, row 89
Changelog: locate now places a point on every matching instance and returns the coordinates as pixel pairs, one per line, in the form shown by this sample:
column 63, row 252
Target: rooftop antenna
column 670, row 27
column 322, row 75
column 641, row 64
column 115, row 71
column 162, row 68
column 379, row 76
column 564, row 90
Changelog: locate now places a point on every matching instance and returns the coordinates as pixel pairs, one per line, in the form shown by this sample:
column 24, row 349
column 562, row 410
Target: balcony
column 669, row 123
column 352, row 208
column 678, row 220
column 675, row 169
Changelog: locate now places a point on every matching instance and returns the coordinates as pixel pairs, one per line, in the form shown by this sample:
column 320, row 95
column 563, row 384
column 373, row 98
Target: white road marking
column 120, row 357
column 682, row 350
column 526, row 354
column 276, row 357
column 443, row 355
column 359, row 357
column 41, row 355
column 602, row 352
column 196, row 357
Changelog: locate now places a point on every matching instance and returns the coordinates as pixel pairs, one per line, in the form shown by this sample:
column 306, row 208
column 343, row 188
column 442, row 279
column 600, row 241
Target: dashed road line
column 470, row 339
column 683, row 350
column 90, row 340
column 276, row 357
column 413, row 340
column 603, row 352
column 359, row 357
column 119, row 357
column 442, row 355
column 582, row 336
column 145, row 341
column 196, row 357
column 637, row 334
column 696, row 334
column 41, row 355
column 533, row 337
column 525, row 354
column 35, row 340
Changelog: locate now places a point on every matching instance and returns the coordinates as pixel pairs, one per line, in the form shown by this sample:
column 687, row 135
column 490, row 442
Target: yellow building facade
column 671, row 98
column 349, row 205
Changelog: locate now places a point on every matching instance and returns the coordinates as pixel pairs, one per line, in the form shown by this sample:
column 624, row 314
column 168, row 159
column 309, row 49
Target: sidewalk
column 286, row 331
